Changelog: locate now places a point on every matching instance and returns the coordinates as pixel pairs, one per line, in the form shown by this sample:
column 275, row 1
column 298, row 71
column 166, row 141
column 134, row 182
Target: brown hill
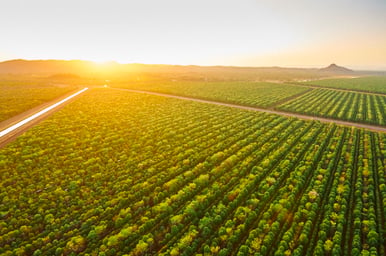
column 336, row 69
column 44, row 66
column 127, row 72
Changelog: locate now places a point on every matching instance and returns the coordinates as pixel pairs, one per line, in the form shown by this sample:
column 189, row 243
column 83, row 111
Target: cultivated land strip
column 315, row 86
column 12, row 128
column 289, row 99
column 270, row 111
column 233, row 182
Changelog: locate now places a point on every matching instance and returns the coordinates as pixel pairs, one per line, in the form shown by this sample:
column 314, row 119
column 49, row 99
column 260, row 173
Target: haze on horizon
column 296, row 33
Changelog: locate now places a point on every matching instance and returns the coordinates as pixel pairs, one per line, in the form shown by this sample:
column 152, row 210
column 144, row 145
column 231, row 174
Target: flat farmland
column 322, row 102
column 20, row 96
column 259, row 94
column 117, row 173
column 351, row 106
column 375, row 84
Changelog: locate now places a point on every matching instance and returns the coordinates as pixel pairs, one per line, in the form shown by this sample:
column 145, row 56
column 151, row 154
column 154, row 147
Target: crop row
column 260, row 94
column 118, row 173
column 366, row 84
column 349, row 106
column 17, row 97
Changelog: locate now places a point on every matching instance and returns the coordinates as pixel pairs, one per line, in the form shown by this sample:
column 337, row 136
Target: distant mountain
column 71, row 69
column 44, row 66
column 333, row 68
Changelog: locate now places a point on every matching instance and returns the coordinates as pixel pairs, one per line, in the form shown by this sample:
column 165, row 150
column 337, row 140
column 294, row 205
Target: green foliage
column 18, row 96
column 365, row 84
column 108, row 175
column 350, row 106
column 328, row 245
column 261, row 94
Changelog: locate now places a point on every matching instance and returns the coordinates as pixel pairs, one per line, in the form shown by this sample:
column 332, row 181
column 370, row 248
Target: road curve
column 11, row 132
column 282, row 113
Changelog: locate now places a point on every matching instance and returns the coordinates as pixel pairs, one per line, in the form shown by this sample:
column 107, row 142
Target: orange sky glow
column 297, row 33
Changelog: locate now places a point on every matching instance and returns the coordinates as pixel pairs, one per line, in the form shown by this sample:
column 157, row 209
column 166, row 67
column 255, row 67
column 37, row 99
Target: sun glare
column 104, row 63
column 105, row 66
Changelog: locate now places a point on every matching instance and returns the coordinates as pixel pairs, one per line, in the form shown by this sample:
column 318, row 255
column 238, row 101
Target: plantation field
column 357, row 107
column 348, row 106
column 259, row 94
column 117, row 173
column 19, row 96
column 365, row 84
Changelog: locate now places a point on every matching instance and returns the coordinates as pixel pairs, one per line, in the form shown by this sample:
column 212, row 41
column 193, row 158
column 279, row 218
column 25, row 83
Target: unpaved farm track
column 271, row 111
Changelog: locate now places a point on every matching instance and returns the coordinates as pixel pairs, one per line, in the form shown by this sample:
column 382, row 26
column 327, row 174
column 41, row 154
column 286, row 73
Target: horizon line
column 354, row 68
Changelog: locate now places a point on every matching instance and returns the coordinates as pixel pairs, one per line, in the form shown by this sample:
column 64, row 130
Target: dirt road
column 282, row 113
column 12, row 128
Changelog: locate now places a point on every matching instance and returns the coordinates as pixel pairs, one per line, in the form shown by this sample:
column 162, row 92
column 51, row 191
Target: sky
column 288, row 33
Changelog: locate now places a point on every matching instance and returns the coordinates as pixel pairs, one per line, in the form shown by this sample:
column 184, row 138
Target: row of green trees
column 344, row 105
column 21, row 95
column 260, row 94
column 374, row 84
column 118, row 173
column 350, row 106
